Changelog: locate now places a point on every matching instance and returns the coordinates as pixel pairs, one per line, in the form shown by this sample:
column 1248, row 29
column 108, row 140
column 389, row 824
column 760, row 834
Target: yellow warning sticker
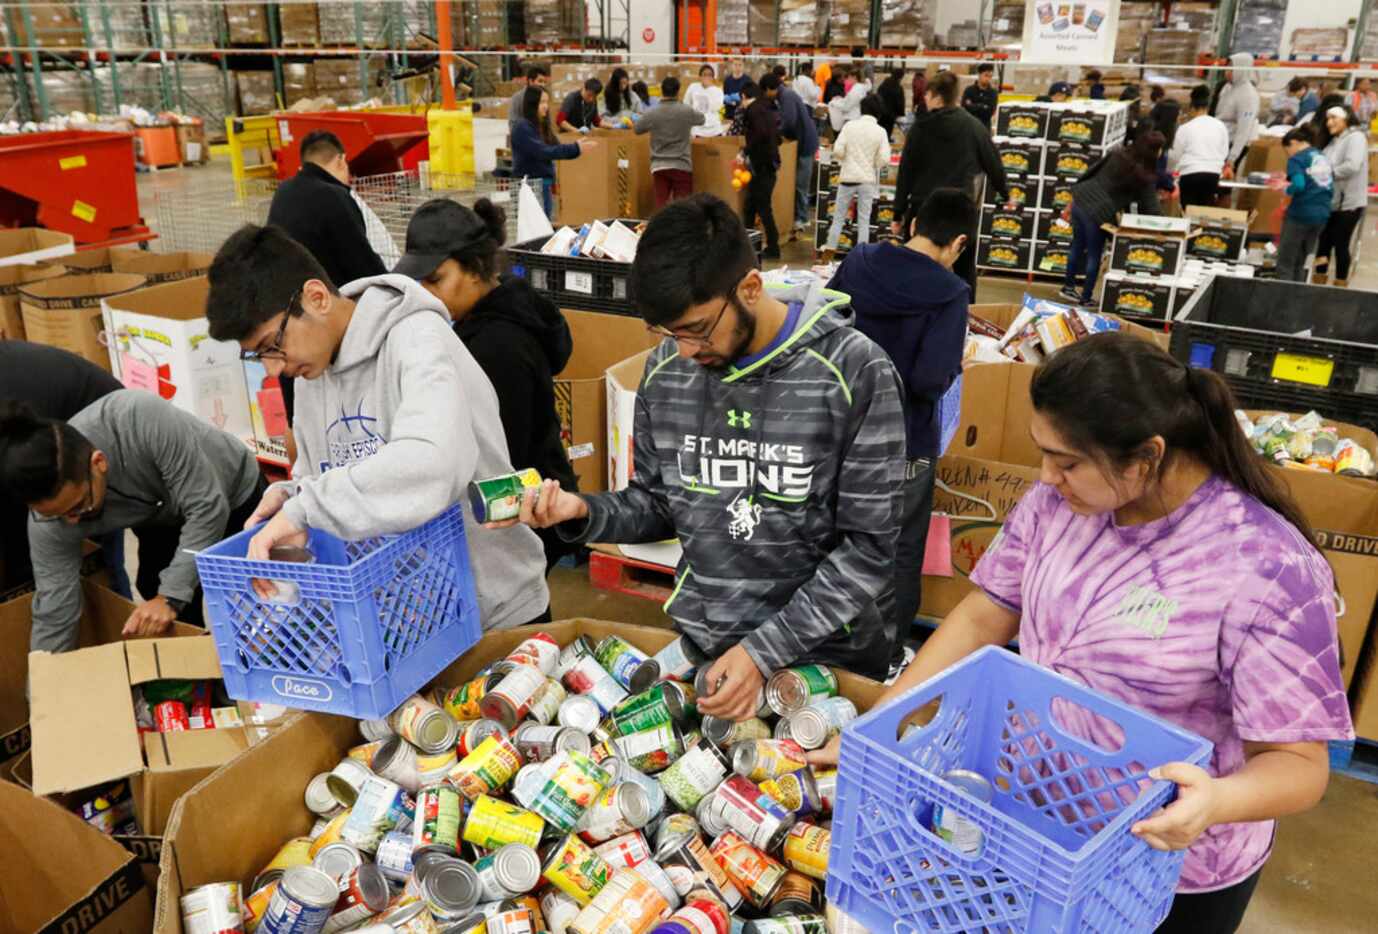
column 72, row 162
column 1314, row 371
column 84, row 211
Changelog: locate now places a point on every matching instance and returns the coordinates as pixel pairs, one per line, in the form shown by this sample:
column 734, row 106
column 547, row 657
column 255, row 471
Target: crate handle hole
column 285, row 593
column 923, row 814
column 1081, row 723
column 914, row 722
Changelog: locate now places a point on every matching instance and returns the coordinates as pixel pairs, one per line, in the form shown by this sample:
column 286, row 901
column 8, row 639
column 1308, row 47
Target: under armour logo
column 737, row 419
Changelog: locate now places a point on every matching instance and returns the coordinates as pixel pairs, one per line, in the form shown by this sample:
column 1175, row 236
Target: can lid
column 437, row 731
column 319, row 798
column 373, row 886
column 808, row 728
column 634, row 803
column 264, row 879
column 451, row 883
column 338, row 859
column 571, row 739
column 393, row 747
column 744, row 757
column 309, row 885
column 478, row 503
column 403, row 914
column 517, row 867
column 644, row 676
column 971, row 783
column 716, row 729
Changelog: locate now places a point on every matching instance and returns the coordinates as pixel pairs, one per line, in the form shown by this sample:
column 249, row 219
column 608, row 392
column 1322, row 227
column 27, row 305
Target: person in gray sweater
column 671, row 126
column 1347, row 150
column 394, row 417
column 129, row 460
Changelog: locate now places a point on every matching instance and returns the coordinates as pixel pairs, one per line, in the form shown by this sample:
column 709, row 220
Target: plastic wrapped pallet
column 905, row 24
column 256, row 93
column 1258, row 27
column 202, row 94
column 1198, row 17
column 963, row 35
column 339, row 79
column 1006, row 25
column 299, row 24
column 298, row 81
column 1322, row 43
column 66, row 91
column 188, row 24
column 732, row 22
column 126, row 30
column 763, row 29
column 340, row 27
column 1136, row 18
column 849, row 23
column 479, row 23
column 247, row 23
column 549, row 22
column 799, row 22
column 1368, row 48
column 1171, row 46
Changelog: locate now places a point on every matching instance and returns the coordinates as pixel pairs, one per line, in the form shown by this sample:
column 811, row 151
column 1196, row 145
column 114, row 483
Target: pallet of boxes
column 882, row 208
column 1044, row 148
column 1156, row 264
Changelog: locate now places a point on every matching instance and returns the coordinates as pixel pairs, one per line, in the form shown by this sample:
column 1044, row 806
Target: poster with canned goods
column 1070, row 32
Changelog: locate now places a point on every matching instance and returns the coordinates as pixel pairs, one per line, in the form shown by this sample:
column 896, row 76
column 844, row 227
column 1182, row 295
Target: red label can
column 171, row 717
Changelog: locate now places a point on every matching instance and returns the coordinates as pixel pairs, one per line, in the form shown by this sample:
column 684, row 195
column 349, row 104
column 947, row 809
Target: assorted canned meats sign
column 564, row 789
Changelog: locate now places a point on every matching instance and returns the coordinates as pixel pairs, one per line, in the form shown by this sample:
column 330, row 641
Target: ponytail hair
column 38, row 456
column 1109, row 394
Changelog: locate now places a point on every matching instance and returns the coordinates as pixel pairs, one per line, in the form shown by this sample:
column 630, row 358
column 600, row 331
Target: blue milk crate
column 355, row 633
column 1056, row 854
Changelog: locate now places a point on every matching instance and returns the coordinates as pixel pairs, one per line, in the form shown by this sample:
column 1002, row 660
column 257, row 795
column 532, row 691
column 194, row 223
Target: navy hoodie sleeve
column 940, row 360
column 862, row 564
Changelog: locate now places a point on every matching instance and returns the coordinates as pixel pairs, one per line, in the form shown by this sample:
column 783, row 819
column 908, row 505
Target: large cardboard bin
column 11, row 278
column 66, row 312
column 231, row 824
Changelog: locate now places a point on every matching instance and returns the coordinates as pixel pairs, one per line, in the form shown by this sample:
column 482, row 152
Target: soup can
column 580, row 713
column 691, row 864
column 539, row 651
column 759, row 759
column 493, row 823
column 586, row 676
column 962, row 832
column 507, row 872
column 628, row 904
column 578, row 648
column 462, row 702
column 396, row 761
column 373, row 730
column 760, row 820
column 650, row 871
column 447, row 886
column 754, row 873
column 546, row 707
column 806, row 850
column 819, row 722
column 439, row 812
column 797, row 895
column 488, row 769
column 575, row 869
column 694, row 775
column 473, row 732
column 618, row 810
column 650, row 751
column 212, row 909
column 794, row 689
column 338, row 860
column 363, row 894
column 345, row 779
column 678, row 661
column 513, row 696
column 698, row 916
column 573, row 782
column 559, row 909
column 537, row 743
column 304, row 899
column 365, row 752
column 329, row 835
column 619, row 658
column 796, row 791
column 394, row 856
column 423, row 724
column 727, row 733
column 381, row 807
column 625, row 851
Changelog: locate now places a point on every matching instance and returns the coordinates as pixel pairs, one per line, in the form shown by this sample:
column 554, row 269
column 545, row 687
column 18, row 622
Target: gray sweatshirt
column 167, row 467
column 1238, row 104
column 391, row 434
column 671, row 126
column 1348, row 155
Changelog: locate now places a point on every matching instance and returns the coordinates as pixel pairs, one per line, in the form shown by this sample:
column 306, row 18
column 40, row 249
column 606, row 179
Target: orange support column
column 447, row 47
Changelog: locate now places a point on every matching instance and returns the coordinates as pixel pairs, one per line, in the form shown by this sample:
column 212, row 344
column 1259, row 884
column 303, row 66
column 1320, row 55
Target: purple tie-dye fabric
column 1218, row 617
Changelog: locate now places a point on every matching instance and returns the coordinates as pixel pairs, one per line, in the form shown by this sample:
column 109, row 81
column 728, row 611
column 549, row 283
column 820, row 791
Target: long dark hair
column 531, row 107
column 1323, row 136
column 1164, row 117
column 1133, row 166
column 39, row 455
column 1109, row 394
column 612, row 94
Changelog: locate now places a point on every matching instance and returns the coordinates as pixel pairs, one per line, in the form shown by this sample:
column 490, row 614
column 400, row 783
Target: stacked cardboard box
column 339, row 80
column 1006, row 24
column 849, row 23
column 188, row 24
column 298, row 81
column 1136, row 18
column 340, row 26
column 1258, row 27
column 762, row 27
column 55, row 26
column 479, row 23
column 906, row 24
column 247, row 23
column 127, row 31
column 554, row 22
column 800, row 23
column 299, row 25
column 733, row 23
column 256, row 92
column 1172, row 46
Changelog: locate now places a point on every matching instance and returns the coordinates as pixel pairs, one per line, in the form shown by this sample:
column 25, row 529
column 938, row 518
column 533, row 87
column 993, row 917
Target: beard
column 743, row 331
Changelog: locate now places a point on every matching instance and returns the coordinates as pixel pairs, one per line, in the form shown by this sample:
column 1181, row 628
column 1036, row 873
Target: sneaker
column 897, row 667
column 1072, row 295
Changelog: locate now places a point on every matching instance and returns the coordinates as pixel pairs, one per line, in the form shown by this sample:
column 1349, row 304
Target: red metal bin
column 375, row 143
column 77, row 181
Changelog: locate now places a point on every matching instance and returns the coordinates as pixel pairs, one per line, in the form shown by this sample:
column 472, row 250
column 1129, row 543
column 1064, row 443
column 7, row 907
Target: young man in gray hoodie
column 393, row 419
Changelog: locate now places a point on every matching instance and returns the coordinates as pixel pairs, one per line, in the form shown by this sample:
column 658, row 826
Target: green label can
column 500, row 498
column 620, row 659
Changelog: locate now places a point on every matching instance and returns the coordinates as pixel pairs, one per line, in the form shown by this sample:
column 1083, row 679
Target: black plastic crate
column 1250, row 331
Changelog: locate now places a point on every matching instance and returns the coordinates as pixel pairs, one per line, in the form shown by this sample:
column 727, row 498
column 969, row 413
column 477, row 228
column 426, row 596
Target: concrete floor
column 1322, row 875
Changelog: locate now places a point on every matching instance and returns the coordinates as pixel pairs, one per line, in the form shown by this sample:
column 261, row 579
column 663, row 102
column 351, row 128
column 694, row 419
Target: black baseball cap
column 1060, row 87
column 439, row 229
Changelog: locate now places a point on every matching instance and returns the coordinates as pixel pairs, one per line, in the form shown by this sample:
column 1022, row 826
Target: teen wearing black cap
column 517, row 336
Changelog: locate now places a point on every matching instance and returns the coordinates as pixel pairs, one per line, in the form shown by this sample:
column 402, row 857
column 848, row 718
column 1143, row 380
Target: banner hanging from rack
column 1079, row 33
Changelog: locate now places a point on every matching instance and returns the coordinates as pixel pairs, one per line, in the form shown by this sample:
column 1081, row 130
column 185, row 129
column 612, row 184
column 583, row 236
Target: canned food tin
column 795, row 688
column 363, row 894
column 539, row 651
column 618, row 810
column 330, row 834
column 675, row 826
column 507, row 872
column 580, row 713
column 586, row 676
column 423, row 724
column 793, row 924
column 396, row 761
column 493, row 823
column 488, row 768
column 625, row 851
column 394, row 855
column 546, row 707
column 381, row 806
column 538, row 743
column 559, row 909
column 575, row 869
column 340, row 859
column 447, row 886
column 509, row 702
column 806, row 850
column 690, row 865
column 255, row 905
column 827, row 789
column 212, row 909
column 727, row 734
column 710, row 816
column 817, row 723
column 650, row 751
column 753, row 872
column 666, row 702
column 414, row 918
column 530, row 903
column 319, row 827
column 462, row 703
column 498, row 499
column 623, row 771
column 433, row 769
column 650, row 871
column 304, row 899
column 573, row 782
column 796, row 791
column 759, row 759
column 694, row 775
column 702, row 688
column 797, row 895
column 515, row 920
column 628, row 904
column 619, row 658
column 760, row 820
column 295, row 852
column 677, row 661
column 439, row 813
column 699, row 916
column 374, row 730
column 962, row 832
column 571, row 653
column 365, row 752
column 345, row 780
column 473, row 732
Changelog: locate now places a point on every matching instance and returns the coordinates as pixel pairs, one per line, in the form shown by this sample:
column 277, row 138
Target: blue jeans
column 548, row 197
column 803, row 181
column 1088, row 243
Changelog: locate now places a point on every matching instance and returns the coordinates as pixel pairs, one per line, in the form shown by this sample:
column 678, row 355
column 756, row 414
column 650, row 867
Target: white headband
column 1337, row 112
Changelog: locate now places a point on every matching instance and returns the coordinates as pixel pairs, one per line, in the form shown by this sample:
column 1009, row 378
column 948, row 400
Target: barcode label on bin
column 579, row 282
column 1314, row 371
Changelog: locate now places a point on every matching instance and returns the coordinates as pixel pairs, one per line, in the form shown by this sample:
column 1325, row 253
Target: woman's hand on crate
column 827, row 756
column 280, row 530
column 545, row 506
column 1177, row 826
column 738, row 683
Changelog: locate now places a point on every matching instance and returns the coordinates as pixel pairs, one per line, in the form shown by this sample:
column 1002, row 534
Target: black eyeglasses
column 689, row 339
column 81, row 511
column 274, row 350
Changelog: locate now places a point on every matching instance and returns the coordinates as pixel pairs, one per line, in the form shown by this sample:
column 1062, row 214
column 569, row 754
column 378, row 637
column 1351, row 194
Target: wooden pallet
column 610, row 570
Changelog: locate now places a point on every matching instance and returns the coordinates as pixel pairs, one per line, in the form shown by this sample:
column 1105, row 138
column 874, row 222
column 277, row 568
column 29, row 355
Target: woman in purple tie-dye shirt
column 1161, row 562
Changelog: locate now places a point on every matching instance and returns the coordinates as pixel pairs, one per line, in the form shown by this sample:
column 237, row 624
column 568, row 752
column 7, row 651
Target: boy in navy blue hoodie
column 1311, row 185
column 909, row 301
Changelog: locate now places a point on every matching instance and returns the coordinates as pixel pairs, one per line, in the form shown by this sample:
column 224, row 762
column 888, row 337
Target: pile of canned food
column 572, row 789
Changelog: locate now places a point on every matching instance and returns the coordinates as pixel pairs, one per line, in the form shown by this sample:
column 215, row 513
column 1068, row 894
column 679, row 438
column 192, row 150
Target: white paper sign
column 1060, row 32
column 581, row 282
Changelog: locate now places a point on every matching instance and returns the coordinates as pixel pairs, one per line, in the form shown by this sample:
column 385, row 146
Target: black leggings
column 1217, row 912
column 1338, row 235
column 1199, row 188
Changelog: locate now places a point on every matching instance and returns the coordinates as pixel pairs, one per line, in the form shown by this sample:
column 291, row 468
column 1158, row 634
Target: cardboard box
column 299, row 24
column 1222, row 234
column 256, row 92
column 158, row 268
column 25, row 246
column 1139, row 252
column 1053, row 227
column 247, row 23
column 298, row 79
column 11, row 278
column 997, row 253
column 1056, row 195
column 1069, row 161
column 1052, row 258
column 613, row 180
column 600, row 341
column 1022, row 189
column 231, row 825
column 623, row 381
column 1138, row 296
column 267, row 414
column 62, row 875
column 1021, row 157
column 997, row 222
column 158, row 341
column 66, row 312
column 1022, row 120
column 714, row 158
column 191, row 142
column 1087, row 127
column 89, row 261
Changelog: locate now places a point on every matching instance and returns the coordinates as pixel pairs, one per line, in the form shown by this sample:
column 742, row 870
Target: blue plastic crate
column 1056, row 854
column 355, row 633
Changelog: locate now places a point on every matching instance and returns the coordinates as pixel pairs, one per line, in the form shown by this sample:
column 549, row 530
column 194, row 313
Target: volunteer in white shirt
column 805, row 87
column 1238, row 105
column 1199, row 151
column 845, row 109
column 863, row 149
column 706, row 98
